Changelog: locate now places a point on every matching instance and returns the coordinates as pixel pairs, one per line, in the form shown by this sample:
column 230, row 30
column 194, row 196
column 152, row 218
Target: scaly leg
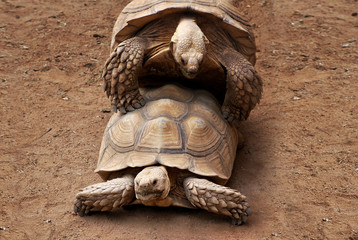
column 217, row 199
column 243, row 84
column 105, row 196
column 120, row 75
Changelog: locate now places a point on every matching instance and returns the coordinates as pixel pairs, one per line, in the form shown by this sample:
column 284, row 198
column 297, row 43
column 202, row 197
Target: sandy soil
column 298, row 168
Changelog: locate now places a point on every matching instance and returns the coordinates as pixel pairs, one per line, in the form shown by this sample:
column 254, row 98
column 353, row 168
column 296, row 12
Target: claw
column 137, row 105
column 225, row 115
column 123, row 110
column 236, row 221
column 230, row 119
column 130, row 108
column 114, row 107
column 249, row 212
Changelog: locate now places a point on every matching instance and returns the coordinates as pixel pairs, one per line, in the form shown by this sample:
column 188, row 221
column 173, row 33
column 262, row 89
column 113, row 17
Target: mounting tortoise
column 177, row 150
column 196, row 42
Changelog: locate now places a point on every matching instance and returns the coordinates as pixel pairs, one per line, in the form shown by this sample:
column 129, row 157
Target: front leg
column 120, row 75
column 217, row 199
column 243, row 84
column 105, row 196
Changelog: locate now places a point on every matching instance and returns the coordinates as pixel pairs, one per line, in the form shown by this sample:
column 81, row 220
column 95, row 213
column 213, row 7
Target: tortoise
column 195, row 42
column 177, row 150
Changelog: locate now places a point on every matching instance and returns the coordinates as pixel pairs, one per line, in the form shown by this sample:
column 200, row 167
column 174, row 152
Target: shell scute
column 170, row 91
column 123, row 133
column 212, row 115
column 160, row 134
column 201, row 136
column 166, row 108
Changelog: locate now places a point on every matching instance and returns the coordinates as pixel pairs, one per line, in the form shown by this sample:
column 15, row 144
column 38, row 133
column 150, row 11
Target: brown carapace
column 203, row 44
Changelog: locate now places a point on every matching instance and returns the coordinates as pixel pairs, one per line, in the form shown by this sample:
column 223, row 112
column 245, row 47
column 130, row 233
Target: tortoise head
column 152, row 183
column 188, row 46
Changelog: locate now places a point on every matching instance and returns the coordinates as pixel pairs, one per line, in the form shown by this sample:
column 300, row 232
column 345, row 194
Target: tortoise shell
column 138, row 13
column 178, row 128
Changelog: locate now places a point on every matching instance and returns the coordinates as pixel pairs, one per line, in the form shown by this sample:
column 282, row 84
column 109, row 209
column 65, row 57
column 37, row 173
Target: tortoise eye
column 155, row 181
column 182, row 60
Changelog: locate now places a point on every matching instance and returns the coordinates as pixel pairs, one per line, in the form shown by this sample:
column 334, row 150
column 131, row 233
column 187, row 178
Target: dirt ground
column 299, row 165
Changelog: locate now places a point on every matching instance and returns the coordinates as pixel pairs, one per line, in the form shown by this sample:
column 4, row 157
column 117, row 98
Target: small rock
column 2, row 56
column 25, row 47
column 3, row 228
column 296, row 98
column 274, row 234
column 345, row 45
column 88, row 65
column 65, row 98
column 106, row 110
column 98, row 36
column 62, row 23
column 354, row 14
column 47, row 221
column 325, row 219
column 300, row 22
column 263, row 3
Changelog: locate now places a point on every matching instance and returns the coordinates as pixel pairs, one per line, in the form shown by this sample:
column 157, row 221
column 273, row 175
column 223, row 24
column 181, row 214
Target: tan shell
column 140, row 12
column 177, row 128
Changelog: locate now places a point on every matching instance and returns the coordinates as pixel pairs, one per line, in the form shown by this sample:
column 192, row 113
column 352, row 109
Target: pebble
column 26, row 47
column 65, row 98
column 296, row 98
column 3, row 228
column 325, row 219
column 106, row 110
column 96, row 35
column 47, row 221
column 345, row 45
column 300, row 22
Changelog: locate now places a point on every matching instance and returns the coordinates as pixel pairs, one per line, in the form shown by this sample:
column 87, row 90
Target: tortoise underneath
column 177, row 150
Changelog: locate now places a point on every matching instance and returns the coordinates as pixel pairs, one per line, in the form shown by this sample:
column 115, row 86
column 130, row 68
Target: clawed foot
column 80, row 208
column 217, row 199
column 130, row 101
column 231, row 114
column 105, row 196
column 240, row 216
